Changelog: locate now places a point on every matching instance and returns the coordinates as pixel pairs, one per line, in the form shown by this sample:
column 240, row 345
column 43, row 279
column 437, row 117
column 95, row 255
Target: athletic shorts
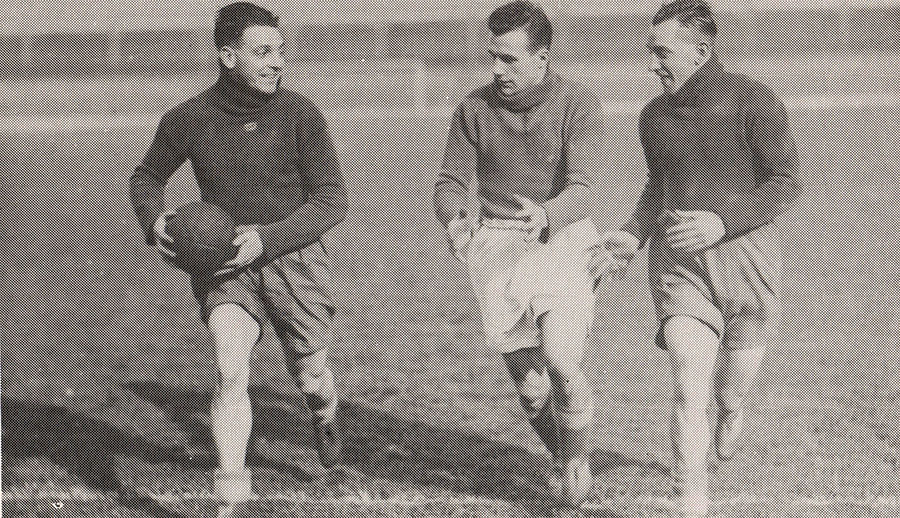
column 733, row 287
column 516, row 281
column 289, row 292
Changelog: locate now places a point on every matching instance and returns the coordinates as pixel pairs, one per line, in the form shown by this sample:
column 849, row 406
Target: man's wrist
column 544, row 231
column 721, row 229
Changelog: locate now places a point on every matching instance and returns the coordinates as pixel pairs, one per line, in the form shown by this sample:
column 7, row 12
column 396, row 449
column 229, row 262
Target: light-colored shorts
column 289, row 292
column 733, row 287
column 516, row 281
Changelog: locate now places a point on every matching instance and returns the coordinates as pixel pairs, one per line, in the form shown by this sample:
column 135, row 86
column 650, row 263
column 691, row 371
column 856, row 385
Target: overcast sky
column 31, row 16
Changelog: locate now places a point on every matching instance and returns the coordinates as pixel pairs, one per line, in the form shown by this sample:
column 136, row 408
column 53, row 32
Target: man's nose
column 655, row 65
column 278, row 61
column 499, row 67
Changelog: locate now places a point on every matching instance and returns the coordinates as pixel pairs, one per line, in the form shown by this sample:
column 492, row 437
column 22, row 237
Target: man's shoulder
column 748, row 89
column 295, row 98
column 297, row 106
column 654, row 107
column 191, row 105
column 575, row 89
column 478, row 98
column 183, row 114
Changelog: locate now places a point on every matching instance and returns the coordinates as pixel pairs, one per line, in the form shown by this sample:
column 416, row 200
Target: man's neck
column 529, row 97
column 235, row 96
column 698, row 83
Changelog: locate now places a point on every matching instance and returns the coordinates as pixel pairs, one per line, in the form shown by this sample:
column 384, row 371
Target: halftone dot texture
column 107, row 369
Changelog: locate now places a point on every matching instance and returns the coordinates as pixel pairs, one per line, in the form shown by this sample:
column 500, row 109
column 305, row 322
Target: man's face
column 257, row 58
column 516, row 67
column 675, row 53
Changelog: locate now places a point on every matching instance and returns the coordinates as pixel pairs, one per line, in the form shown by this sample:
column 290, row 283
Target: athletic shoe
column 328, row 442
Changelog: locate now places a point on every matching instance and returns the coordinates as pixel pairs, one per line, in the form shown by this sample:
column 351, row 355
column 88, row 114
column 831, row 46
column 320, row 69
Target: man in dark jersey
column 722, row 165
column 263, row 154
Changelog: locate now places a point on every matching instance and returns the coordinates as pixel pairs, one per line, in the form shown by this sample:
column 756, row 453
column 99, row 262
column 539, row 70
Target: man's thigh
column 490, row 259
column 564, row 330
column 240, row 290
column 297, row 303
column 745, row 278
column 680, row 289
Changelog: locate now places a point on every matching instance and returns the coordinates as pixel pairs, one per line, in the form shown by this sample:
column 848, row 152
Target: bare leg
column 734, row 377
column 234, row 333
column 564, row 338
column 316, row 381
column 693, row 347
column 528, row 370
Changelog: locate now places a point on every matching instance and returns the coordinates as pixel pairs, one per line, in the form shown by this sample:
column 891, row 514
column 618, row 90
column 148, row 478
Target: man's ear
column 704, row 51
column 228, row 57
column 543, row 55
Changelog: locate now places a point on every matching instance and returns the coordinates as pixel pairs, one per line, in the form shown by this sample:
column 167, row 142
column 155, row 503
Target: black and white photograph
column 433, row 258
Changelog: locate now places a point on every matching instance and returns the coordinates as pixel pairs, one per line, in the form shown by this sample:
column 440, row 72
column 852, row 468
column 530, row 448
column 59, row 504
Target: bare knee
column 563, row 346
column 729, row 399
column 311, row 371
column 692, row 383
column 310, row 380
column 534, row 391
column 234, row 332
column 232, row 379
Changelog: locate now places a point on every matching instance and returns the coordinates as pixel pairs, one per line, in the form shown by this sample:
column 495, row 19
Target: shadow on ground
column 387, row 455
column 86, row 448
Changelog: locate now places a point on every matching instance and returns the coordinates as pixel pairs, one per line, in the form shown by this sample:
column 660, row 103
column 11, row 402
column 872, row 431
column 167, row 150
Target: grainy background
column 106, row 366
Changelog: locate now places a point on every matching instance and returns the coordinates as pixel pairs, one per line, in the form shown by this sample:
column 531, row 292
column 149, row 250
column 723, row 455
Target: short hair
column 233, row 19
column 690, row 13
column 523, row 14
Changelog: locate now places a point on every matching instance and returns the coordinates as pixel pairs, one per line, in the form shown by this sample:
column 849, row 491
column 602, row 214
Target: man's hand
column 459, row 233
column 163, row 240
column 694, row 230
column 250, row 248
column 613, row 254
column 533, row 216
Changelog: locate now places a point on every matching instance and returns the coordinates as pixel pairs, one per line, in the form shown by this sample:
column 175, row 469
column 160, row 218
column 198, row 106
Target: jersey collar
column 530, row 98
column 700, row 83
column 235, row 98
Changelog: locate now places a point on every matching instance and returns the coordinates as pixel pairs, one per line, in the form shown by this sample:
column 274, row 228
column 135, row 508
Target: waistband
column 502, row 224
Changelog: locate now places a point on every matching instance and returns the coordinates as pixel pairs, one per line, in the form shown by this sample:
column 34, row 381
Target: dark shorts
column 733, row 287
column 289, row 292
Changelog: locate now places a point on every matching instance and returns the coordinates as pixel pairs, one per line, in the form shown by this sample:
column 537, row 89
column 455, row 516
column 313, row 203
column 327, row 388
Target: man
column 531, row 141
column 722, row 165
column 263, row 154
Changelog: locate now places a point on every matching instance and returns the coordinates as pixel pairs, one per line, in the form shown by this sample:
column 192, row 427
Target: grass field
column 106, row 366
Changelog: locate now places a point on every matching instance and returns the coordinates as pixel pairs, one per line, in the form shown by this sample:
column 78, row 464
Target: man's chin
column 267, row 87
column 668, row 87
column 506, row 91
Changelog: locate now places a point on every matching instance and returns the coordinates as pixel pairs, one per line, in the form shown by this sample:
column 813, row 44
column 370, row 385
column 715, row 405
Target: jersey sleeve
column 649, row 204
column 775, row 166
column 583, row 165
column 147, row 184
column 457, row 169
